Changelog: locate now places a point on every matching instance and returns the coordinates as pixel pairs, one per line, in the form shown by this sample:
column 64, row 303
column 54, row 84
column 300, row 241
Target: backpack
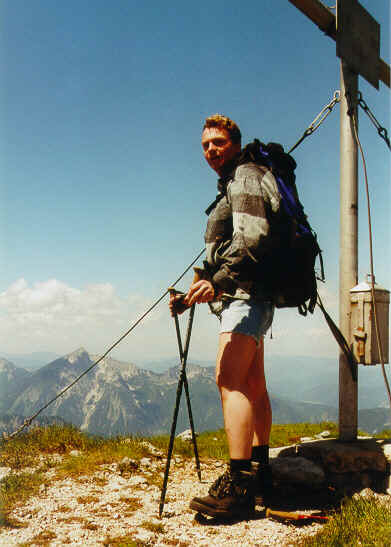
column 287, row 273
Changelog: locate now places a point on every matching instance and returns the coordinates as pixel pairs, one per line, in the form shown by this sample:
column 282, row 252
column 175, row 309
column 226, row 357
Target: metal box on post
column 363, row 328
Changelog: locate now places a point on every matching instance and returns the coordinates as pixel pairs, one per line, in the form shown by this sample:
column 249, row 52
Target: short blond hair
column 223, row 122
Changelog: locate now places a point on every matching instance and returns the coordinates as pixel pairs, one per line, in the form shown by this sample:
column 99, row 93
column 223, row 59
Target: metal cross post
column 357, row 36
column 182, row 382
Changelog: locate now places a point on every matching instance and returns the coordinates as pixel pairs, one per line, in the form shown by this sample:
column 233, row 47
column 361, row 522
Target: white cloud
column 52, row 316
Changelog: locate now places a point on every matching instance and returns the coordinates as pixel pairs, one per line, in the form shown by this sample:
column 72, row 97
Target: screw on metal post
column 382, row 131
column 181, row 383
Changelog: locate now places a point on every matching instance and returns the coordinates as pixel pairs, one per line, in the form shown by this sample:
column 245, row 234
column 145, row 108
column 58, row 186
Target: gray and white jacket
column 240, row 229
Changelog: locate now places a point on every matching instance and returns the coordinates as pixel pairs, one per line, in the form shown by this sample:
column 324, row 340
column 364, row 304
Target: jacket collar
column 222, row 184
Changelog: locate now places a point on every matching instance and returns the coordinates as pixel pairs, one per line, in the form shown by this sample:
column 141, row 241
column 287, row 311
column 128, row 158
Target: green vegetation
column 16, row 489
column 123, row 541
column 27, row 450
column 385, row 434
column 43, row 538
column 361, row 521
column 156, row 527
column 283, row 435
column 213, row 444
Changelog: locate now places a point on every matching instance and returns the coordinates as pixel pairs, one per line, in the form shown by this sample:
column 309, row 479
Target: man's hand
column 176, row 303
column 200, row 292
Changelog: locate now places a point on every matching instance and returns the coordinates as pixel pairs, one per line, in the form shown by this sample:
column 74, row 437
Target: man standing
column 239, row 232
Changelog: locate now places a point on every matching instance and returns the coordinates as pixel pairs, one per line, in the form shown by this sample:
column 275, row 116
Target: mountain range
column 117, row 397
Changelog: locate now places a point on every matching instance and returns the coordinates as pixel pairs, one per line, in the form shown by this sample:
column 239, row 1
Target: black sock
column 239, row 465
column 260, row 454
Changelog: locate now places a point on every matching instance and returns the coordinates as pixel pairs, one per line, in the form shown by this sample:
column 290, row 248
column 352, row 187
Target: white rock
column 386, row 447
column 153, row 450
column 74, row 453
column 143, row 535
column 185, row 435
column 4, row 471
column 117, row 482
column 365, row 493
column 135, row 481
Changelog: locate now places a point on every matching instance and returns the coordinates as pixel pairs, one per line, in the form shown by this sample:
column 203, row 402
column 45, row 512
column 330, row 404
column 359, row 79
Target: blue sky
column 103, row 185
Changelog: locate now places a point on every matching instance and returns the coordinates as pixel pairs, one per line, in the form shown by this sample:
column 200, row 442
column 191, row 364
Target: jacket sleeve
column 254, row 199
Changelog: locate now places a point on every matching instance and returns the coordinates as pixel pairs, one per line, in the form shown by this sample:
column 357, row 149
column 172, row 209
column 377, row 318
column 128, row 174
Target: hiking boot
column 263, row 483
column 230, row 496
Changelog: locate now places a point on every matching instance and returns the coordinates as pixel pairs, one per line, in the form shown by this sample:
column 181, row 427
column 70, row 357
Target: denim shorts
column 251, row 317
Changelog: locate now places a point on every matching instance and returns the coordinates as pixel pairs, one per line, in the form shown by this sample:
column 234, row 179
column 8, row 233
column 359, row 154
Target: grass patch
column 156, row 527
column 385, row 434
column 176, row 542
column 361, row 521
column 128, row 468
column 132, row 503
column 123, row 541
column 7, row 521
column 16, row 489
column 71, row 520
column 91, row 526
column 213, row 444
column 155, row 478
column 83, row 500
column 25, row 450
column 44, row 538
column 107, row 451
column 286, row 434
column 99, row 481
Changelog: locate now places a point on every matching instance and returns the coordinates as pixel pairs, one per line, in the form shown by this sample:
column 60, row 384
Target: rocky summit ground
column 119, row 505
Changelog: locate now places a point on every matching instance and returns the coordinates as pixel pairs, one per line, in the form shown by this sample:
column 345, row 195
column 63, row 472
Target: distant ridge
column 118, row 397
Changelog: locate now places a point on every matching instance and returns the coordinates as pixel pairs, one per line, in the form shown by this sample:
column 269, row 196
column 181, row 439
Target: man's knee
column 226, row 381
column 235, row 357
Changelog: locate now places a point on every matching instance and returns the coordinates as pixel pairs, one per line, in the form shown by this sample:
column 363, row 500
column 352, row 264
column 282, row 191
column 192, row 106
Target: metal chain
column 320, row 118
column 381, row 130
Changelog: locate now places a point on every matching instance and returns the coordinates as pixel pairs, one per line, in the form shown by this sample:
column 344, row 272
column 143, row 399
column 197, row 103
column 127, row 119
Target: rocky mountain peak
column 77, row 355
column 5, row 365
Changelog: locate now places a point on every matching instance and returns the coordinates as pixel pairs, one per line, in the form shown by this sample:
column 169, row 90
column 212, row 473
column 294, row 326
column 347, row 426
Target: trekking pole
column 182, row 380
column 186, row 386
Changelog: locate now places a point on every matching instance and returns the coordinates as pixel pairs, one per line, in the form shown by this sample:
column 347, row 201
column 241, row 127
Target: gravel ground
column 98, row 509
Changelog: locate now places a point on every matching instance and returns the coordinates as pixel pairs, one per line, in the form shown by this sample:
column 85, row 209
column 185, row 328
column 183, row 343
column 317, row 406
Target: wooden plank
column 358, row 40
column 326, row 21
column 319, row 14
column 384, row 72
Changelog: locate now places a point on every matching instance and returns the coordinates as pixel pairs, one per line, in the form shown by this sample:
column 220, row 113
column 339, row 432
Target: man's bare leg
column 263, row 421
column 260, row 397
column 234, row 361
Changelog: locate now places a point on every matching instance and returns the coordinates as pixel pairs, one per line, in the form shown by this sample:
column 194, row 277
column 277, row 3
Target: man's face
column 218, row 148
